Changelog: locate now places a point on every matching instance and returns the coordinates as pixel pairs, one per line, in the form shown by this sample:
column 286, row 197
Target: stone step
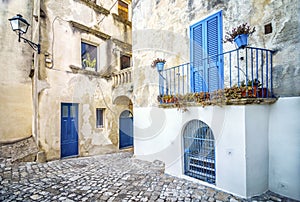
column 24, row 150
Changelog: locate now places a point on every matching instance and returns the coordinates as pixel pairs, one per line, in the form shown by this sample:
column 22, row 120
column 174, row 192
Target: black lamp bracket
column 34, row 46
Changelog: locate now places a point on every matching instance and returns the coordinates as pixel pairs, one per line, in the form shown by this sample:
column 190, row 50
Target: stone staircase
column 20, row 151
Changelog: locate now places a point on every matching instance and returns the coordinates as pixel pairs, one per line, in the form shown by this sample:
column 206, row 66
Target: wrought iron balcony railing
column 244, row 72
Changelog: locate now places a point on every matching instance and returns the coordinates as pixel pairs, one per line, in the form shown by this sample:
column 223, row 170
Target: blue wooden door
column 126, row 129
column 69, row 129
column 206, row 59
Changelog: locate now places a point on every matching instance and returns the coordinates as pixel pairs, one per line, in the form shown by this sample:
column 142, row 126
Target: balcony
column 122, row 85
column 240, row 76
column 122, row 77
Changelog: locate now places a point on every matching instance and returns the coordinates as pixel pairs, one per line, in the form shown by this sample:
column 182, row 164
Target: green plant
column 241, row 29
column 251, row 83
column 88, row 62
column 157, row 60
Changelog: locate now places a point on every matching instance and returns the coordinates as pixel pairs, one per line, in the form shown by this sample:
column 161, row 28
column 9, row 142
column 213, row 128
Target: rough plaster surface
column 161, row 29
column 60, row 84
column 15, row 84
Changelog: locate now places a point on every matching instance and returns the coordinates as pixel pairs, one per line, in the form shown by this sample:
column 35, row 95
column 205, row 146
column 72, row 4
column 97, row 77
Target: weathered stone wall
column 23, row 150
column 63, row 81
column 15, row 83
column 161, row 29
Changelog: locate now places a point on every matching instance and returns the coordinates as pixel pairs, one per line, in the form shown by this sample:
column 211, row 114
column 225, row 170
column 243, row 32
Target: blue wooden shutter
column 197, row 64
column 206, row 61
column 213, row 41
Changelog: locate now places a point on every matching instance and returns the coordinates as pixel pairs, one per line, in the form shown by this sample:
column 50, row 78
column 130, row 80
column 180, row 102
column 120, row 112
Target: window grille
column 199, row 151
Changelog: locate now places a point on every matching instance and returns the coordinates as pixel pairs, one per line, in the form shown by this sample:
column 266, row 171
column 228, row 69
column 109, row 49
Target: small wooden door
column 126, row 129
column 69, row 129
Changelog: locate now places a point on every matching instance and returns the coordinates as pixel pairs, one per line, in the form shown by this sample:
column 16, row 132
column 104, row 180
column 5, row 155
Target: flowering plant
column 241, row 29
column 157, row 60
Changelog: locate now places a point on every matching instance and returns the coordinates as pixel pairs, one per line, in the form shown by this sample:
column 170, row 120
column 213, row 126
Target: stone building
column 242, row 145
column 80, row 89
column 16, row 85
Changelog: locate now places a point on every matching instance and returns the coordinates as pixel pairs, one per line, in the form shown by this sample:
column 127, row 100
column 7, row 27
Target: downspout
column 35, row 96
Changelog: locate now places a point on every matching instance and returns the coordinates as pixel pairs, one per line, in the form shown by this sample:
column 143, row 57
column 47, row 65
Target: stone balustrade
column 122, row 77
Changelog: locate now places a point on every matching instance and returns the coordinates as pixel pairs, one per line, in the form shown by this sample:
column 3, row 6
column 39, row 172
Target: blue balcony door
column 206, row 62
column 126, row 130
column 69, row 129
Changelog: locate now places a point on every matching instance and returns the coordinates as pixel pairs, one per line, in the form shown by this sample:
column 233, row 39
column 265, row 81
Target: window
column 88, row 56
column 125, row 61
column 123, row 9
column 199, row 151
column 99, row 118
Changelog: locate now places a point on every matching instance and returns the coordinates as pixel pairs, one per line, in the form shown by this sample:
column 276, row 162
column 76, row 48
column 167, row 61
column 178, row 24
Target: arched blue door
column 126, row 129
column 199, row 151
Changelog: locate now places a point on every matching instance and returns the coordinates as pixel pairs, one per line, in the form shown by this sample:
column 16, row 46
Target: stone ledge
column 243, row 101
column 95, row 7
column 23, row 150
column 90, row 30
column 126, row 46
column 120, row 19
column 76, row 70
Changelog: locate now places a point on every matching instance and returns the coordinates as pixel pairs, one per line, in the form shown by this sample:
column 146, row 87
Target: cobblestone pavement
column 112, row 177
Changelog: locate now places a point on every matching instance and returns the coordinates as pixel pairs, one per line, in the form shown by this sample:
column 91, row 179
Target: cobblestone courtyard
column 112, row 177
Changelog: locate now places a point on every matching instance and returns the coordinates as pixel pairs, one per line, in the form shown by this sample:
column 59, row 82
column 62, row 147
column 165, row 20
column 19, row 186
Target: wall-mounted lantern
column 20, row 26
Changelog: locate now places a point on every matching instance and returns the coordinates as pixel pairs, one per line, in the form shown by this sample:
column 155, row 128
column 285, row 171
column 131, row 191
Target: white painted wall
column 284, row 146
column 257, row 146
column 158, row 135
column 257, row 149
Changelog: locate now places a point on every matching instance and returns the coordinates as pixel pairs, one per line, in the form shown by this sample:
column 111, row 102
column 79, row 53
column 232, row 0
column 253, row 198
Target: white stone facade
column 60, row 27
column 248, row 153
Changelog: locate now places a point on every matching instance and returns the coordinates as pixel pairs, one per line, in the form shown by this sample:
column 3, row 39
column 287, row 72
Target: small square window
column 268, row 28
column 123, row 9
column 99, row 118
column 125, row 61
column 88, row 56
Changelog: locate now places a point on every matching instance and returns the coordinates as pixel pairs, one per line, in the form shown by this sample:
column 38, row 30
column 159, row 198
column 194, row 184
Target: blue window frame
column 206, row 60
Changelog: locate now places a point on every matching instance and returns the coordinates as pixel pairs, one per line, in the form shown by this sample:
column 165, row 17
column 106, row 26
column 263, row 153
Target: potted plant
column 251, row 87
column 159, row 64
column 240, row 35
column 88, row 63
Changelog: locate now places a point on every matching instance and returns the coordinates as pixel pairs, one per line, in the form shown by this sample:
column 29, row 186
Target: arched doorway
column 199, row 151
column 125, row 130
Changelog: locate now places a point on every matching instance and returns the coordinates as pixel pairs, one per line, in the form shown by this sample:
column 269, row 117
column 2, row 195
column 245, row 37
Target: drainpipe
column 35, row 96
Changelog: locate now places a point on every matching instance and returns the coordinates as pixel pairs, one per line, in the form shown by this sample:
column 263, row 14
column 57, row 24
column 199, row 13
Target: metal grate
column 199, row 151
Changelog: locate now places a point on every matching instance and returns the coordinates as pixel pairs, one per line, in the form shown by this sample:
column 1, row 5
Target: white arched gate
column 199, row 151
